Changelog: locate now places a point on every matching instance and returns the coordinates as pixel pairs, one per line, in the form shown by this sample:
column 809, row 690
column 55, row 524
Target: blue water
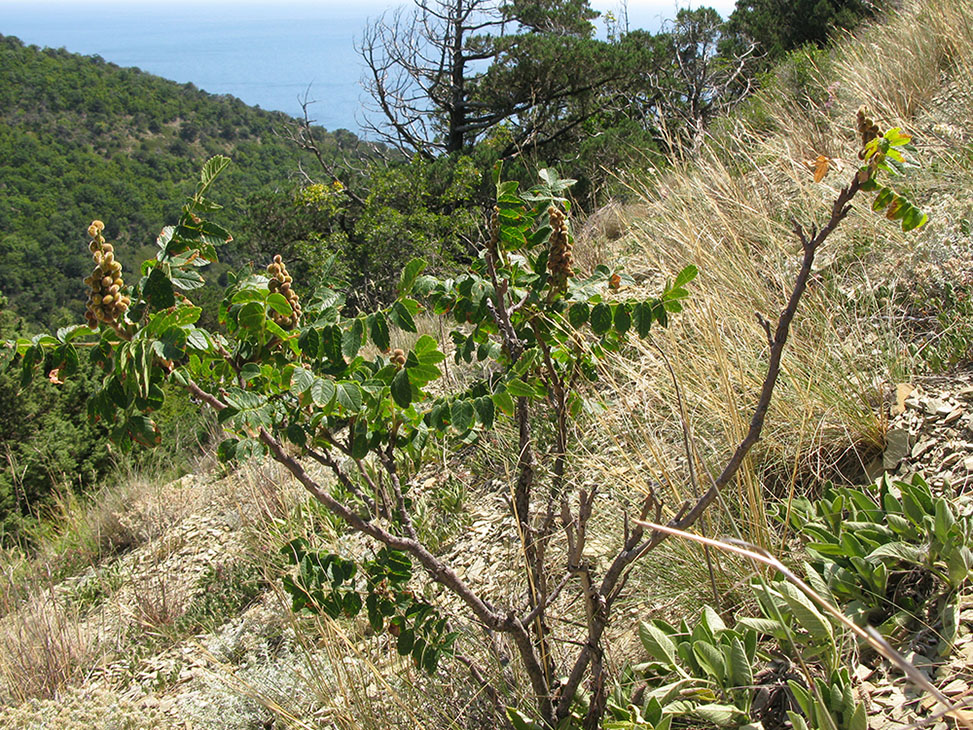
column 266, row 55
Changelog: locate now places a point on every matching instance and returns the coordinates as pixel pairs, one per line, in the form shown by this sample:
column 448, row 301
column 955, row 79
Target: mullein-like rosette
column 106, row 301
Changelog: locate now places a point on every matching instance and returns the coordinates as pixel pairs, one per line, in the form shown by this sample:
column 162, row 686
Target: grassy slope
column 728, row 209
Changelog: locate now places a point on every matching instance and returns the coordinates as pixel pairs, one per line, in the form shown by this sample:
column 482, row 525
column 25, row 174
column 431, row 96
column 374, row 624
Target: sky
column 638, row 10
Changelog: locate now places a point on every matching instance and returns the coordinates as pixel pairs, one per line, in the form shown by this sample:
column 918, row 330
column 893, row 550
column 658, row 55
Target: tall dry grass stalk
column 44, row 648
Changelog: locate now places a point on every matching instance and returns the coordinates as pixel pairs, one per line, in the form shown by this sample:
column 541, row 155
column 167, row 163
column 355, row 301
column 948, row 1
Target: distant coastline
column 266, row 55
column 264, row 58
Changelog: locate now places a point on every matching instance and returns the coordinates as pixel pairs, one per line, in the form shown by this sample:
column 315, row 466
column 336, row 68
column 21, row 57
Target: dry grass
column 729, row 211
column 43, row 649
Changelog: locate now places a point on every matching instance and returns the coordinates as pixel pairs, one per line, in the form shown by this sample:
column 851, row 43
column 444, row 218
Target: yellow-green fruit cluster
column 280, row 282
column 560, row 259
column 867, row 128
column 398, row 357
column 106, row 302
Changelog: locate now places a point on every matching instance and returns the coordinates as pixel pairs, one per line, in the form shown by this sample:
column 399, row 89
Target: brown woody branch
column 634, row 547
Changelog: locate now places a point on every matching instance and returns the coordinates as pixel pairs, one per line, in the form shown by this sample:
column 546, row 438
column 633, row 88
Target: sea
column 271, row 55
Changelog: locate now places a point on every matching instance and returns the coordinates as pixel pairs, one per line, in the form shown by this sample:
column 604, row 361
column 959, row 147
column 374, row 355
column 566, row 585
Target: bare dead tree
column 701, row 82
column 420, row 69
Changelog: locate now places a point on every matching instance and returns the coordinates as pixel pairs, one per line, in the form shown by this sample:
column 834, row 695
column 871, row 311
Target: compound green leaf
column 407, row 278
column 461, row 415
column 301, row 380
column 642, row 317
column 504, row 402
column 622, row 318
column 578, row 314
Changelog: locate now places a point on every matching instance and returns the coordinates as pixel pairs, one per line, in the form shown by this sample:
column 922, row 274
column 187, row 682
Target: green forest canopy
column 82, row 139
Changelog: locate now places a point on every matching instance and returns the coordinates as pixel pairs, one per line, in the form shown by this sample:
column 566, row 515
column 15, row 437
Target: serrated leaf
column 296, row 435
column 405, row 642
column 427, row 346
column 407, row 278
column 143, row 430
column 278, row 302
column 310, row 343
column 461, row 415
column 622, row 319
column 504, row 402
column 420, row 373
column 402, row 317
column 578, row 314
column 158, row 290
column 351, row 339
column 379, row 331
column 165, row 235
column 402, row 389
column 187, row 279
column 601, row 318
column 301, row 380
column 519, row 389
column 213, row 167
column 323, row 392
column 484, row 410
column 348, row 397
column 513, row 238
column 359, row 439
column 251, row 316
column 642, row 318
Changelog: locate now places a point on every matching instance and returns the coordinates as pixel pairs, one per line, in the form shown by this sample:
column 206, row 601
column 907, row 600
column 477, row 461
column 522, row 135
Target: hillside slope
column 82, row 139
column 183, row 622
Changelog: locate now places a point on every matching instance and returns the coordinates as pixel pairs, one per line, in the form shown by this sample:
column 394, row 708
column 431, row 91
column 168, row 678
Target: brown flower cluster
column 398, row 357
column 867, row 129
column 106, row 303
column 280, row 281
column 560, row 259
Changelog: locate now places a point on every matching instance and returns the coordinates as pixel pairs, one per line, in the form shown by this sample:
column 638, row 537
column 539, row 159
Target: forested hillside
column 81, row 138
